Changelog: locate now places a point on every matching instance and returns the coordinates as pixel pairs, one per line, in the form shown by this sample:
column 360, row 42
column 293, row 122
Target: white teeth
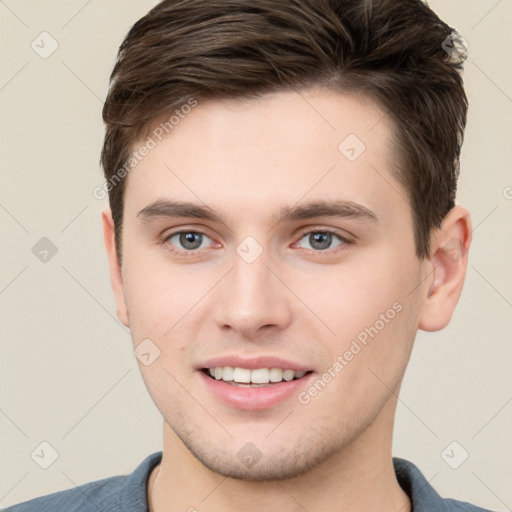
column 276, row 375
column 288, row 375
column 227, row 373
column 241, row 375
column 259, row 376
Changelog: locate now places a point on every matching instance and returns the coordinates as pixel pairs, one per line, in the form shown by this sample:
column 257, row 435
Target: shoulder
column 423, row 496
column 94, row 496
column 123, row 493
column 462, row 506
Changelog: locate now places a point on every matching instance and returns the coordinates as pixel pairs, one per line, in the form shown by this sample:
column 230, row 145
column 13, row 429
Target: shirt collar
column 423, row 496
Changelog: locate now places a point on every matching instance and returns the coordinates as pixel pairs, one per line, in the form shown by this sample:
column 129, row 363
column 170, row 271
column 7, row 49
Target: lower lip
column 254, row 398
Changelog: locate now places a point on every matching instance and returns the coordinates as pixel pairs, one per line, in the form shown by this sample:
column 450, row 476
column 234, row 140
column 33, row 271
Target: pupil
column 320, row 240
column 190, row 240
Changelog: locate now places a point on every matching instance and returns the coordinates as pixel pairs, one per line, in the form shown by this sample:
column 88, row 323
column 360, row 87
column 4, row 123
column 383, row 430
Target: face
column 269, row 240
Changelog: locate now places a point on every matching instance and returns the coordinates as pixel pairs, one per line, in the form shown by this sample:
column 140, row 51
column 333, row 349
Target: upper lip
column 253, row 363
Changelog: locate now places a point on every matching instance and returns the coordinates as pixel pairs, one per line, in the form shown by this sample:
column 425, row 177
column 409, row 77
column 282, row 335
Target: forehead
column 256, row 156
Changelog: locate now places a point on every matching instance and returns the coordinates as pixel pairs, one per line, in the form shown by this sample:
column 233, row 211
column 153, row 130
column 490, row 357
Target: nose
column 252, row 301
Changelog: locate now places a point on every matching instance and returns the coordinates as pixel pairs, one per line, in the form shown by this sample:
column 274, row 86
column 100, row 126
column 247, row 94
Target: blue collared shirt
column 128, row 493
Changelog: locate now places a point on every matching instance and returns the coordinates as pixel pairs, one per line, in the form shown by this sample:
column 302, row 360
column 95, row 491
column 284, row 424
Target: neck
column 358, row 477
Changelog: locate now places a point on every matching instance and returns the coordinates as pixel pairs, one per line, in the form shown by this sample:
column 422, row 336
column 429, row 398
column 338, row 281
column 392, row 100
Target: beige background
column 68, row 376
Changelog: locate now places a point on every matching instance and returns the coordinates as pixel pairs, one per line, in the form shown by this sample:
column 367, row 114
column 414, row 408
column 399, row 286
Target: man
column 282, row 221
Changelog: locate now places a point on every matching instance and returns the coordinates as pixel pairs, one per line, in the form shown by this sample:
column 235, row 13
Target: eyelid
column 346, row 240
column 343, row 235
column 164, row 240
column 168, row 233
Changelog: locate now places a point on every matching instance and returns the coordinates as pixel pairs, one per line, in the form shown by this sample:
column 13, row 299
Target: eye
column 320, row 240
column 188, row 240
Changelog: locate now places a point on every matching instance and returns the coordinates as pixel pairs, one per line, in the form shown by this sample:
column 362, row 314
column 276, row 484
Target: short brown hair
column 392, row 51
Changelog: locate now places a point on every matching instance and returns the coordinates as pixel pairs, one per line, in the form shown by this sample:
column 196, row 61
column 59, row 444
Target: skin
column 248, row 160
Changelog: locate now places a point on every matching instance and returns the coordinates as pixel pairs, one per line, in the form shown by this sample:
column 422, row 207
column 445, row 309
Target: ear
column 116, row 278
column 449, row 258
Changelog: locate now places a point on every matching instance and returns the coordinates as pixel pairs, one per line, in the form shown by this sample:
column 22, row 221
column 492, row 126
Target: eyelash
column 345, row 242
column 193, row 252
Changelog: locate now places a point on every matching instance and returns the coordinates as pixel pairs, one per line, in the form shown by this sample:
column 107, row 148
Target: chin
column 270, row 470
column 265, row 460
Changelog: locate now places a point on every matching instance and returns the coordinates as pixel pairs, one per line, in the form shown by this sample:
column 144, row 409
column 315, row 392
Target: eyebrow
column 325, row 208
column 176, row 209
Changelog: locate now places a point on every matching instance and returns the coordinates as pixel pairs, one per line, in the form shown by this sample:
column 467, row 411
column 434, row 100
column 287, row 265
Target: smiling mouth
column 244, row 377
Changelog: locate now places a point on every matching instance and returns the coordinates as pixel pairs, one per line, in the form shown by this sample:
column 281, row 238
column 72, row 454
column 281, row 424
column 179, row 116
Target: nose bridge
column 253, row 298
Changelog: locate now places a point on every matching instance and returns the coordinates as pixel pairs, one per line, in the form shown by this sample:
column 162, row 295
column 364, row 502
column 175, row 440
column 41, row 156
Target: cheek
column 167, row 305
column 156, row 292
column 367, row 360
column 372, row 315
column 352, row 295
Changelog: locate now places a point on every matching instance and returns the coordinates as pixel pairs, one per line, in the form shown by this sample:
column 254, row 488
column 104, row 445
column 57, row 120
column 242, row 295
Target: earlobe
column 450, row 245
column 116, row 278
